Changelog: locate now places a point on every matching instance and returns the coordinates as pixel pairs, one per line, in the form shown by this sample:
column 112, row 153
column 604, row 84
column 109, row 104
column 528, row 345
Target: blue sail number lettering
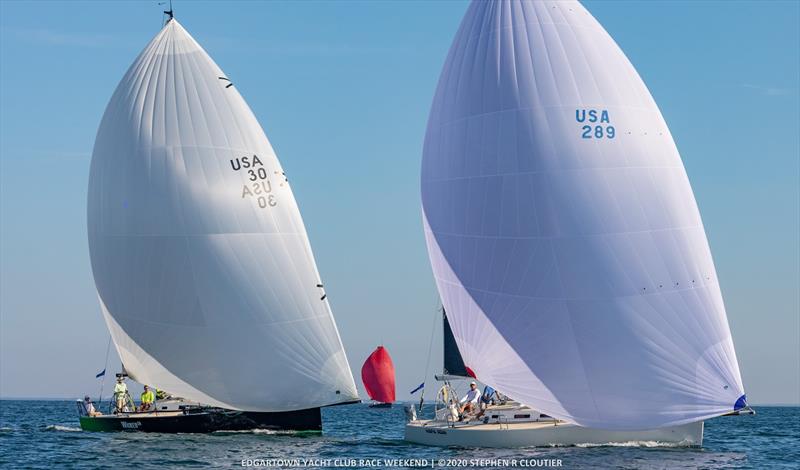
column 600, row 128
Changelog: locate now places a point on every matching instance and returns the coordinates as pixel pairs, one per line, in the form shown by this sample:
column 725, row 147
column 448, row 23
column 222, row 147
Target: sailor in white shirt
column 470, row 400
column 89, row 407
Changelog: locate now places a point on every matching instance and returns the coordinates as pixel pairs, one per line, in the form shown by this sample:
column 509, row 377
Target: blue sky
column 343, row 90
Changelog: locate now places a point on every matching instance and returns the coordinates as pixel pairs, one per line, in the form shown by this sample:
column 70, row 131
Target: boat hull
column 380, row 405
column 205, row 421
column 544, row 434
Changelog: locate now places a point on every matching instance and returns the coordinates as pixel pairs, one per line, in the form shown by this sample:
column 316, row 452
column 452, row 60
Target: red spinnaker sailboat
column 377, row 373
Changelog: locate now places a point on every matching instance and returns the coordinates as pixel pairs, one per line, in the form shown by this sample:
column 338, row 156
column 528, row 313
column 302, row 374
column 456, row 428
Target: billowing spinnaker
column 563, row 233
column 199, row 253
column 377, row 374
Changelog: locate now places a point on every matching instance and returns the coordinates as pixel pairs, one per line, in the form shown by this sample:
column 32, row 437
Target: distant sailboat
column 565, row 240
column 377, row 373
column 201, row 260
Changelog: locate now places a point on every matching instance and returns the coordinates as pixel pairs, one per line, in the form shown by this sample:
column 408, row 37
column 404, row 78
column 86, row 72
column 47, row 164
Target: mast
column 170, row 13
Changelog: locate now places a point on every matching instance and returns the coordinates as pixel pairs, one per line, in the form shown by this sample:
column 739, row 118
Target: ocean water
column 46, row 434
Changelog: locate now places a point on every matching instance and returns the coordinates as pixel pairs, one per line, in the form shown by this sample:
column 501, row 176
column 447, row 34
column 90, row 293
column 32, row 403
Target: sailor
column 120, row 393
column 89, row 407
column 490, row 396
column 487, row 398
column 147, row 398
column 469, row 400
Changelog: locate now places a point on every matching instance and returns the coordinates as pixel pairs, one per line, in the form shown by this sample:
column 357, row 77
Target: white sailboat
column 566, row 242
column 200, row 256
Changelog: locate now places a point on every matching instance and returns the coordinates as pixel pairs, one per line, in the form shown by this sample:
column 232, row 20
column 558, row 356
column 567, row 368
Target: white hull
column 544, row 434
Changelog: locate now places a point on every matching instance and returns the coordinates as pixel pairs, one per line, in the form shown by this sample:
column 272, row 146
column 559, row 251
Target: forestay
column 199, row 254
column 565, row 240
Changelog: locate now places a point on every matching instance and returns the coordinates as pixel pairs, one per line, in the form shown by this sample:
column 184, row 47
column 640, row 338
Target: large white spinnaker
column 199, row 253
column 563, row 233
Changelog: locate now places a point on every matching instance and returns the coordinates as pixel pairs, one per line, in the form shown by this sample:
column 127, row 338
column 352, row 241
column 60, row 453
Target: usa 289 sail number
column 600, row 128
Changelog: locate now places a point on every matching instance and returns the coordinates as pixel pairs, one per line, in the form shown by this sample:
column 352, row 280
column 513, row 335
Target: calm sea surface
column 45, row 434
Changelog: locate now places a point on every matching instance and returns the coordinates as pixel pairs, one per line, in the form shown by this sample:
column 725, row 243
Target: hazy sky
column 343, row 90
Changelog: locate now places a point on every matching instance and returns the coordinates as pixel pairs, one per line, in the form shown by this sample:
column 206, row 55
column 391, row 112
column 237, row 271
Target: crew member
column 487, row 399
column 120, row 393
column 469, row 400
column 89, row 407
column 147, row 399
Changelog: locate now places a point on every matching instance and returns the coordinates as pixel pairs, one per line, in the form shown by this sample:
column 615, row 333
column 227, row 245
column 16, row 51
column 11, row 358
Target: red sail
column 378, row 376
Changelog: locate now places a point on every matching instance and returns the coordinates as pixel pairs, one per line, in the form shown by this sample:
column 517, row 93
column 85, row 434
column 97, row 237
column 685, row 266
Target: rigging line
column 105, row 370
column 428, row 361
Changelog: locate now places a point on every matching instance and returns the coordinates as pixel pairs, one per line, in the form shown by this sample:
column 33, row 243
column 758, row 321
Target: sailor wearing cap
column 148, row 397
column 120, row 393
column 469, row 400
column 89, row 407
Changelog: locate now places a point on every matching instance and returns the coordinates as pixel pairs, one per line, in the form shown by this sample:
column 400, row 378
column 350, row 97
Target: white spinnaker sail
column 563, row 233
column 199, row 254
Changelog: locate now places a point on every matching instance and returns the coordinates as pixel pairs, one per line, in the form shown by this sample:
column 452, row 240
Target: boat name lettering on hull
column 258, row 185
column 131, row 424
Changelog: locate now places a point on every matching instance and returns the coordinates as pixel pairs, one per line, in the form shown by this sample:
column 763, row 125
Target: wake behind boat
column 203, row 268
column 566, row 242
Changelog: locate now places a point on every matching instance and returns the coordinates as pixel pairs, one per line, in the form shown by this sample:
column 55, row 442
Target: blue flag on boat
column 418, row 388
column 102, row 373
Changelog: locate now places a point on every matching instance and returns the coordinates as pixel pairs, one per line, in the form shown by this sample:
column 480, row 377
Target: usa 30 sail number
column 600, row 127
column 259, row 186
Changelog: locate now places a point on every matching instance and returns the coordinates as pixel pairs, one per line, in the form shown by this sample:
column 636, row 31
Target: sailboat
column 566, row 243
column 377, row 374
column 200, row 257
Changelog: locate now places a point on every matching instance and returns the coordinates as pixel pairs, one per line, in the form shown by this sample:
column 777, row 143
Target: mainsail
column 377, row 374
column 200, row 257
column 563, row 233
column 453, row 363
